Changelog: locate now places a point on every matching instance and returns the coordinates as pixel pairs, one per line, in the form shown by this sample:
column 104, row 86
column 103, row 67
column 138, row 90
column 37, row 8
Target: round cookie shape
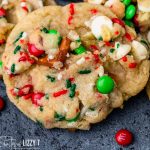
column 51, row 66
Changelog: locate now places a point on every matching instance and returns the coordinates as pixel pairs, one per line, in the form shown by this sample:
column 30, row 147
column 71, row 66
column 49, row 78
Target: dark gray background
column 135, row 116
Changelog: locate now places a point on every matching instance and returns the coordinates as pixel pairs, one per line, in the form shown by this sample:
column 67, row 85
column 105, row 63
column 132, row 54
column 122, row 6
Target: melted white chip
column 40, row 3
column 98, row 23
column 80, row 61
column 144, row 5
column 139, row 51
column 122, row 50
column 4, row 2
column 23, row 4
column 96, row 1
column 59, row 76
column 50, row 57
column 73, row 35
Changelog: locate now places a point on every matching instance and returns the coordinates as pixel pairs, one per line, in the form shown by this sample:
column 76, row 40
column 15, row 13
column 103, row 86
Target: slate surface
column 135, row 116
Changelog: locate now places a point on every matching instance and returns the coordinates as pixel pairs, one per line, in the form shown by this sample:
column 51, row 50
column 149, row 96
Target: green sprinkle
column 84, row 71
column 74, row 119
column 101, row 55
column 59, row 40
column 47, row 96
column 52, row 79
column 68, row 83
column 52, row 32
column 13, row 68
column 19, row 37
column 41, row 108
column 112, row 50
column 144, row 42
column 45, row 30
column 72, row 90
column 81, row 49
column 39, row 123
column 79, row 40
column 100, row 38
column 118, row 45
column 1, row 64
column 17, row 49
column 59, row 117
column 92, row 109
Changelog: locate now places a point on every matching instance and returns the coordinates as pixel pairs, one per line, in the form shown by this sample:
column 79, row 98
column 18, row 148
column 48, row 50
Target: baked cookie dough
column 13, row 11
column 120, row 8
column 72, row 71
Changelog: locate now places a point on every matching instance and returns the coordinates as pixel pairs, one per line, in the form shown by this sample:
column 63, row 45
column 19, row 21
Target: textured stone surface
column 135, row 116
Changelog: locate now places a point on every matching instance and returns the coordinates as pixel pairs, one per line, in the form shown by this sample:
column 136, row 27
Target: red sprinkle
column 96, row 57
column 2, row 12
column 2, row 42
column 72, row 9
column 71, row 79
column 26, row 57
column 94, row 11
column 57, row 94
column 108, row 44
column 117, row 32
column 25, row 8
column 124, row 59
column 128, row 37
column 2, row 104
column 36, row 97
column 25, row 90
column 116, row 20
column 70, row 20
column 93, row 47
column 132, row 65
column 87, row 58
column 135, row 20
column 124, row 137
column 28, row 96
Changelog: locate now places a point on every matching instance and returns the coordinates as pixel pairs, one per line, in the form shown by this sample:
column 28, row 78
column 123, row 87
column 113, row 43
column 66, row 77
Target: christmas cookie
column 72, row 71
column 132, row 11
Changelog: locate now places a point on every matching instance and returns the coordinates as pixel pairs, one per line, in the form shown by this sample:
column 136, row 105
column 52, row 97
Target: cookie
column 15, row 11
column 141, row 18
column 72, row 71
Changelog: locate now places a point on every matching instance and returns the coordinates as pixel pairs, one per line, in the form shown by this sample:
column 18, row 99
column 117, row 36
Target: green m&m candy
column 130, row 12
column 129, row 23
column 1, row 64
column 105, row 84
column 81, row 49
column 126, row 2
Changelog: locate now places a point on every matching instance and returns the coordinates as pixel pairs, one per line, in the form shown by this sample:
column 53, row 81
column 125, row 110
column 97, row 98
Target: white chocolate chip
column 23, row 4
column 139, row 51
column 73, row 35
column 80, row 61
column 122, row 51
column 4, row 2
column 40, row 3
column 98, row 23
column 96, row 1
column 100, row 71
column 59, row 76
column 144, row 5
column 50, row 57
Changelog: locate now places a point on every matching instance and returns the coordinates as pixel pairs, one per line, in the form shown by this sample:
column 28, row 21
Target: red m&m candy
column 124, row 137
column 2, row 104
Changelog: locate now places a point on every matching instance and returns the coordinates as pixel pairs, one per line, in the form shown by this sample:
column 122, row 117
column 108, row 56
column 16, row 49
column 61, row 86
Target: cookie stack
column 69, row 67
